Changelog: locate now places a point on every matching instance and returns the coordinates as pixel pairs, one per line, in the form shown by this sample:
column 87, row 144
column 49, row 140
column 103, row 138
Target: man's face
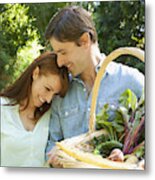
column 74, row 57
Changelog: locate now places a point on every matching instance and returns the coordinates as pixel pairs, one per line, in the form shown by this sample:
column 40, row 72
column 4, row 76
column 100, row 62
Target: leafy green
column 124, row 124
column 106, row 147
column 128, row 99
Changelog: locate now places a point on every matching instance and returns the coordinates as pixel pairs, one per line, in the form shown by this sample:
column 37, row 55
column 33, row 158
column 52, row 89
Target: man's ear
column 84, row 39
column 35, row 73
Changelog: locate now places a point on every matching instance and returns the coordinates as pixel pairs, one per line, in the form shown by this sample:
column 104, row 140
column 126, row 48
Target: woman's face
column 44, row 87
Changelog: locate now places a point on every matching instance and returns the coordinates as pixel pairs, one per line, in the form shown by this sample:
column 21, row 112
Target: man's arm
column 136, row 81
column 55, row 131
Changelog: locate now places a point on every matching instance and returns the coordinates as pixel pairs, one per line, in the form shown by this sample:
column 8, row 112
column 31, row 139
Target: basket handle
column 113, row 55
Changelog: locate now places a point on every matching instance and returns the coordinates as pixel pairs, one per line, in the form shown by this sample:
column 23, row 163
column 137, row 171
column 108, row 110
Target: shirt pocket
column 73, row 121
column 69, row 111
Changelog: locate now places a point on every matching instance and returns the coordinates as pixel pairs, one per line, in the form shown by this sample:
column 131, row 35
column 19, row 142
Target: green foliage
column 16, row 25
column 120, row 24
column 42, row 13
column 124, row 125
column 106, row 147
column 130, row 101
column 22, row 27
column 18, row 41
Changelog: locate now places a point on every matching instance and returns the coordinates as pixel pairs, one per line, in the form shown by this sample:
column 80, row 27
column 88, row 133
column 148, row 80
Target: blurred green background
column 22, row 27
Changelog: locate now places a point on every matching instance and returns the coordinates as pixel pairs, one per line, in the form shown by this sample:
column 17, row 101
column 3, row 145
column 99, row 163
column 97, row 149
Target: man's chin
column 38, row 105
column 74, row 74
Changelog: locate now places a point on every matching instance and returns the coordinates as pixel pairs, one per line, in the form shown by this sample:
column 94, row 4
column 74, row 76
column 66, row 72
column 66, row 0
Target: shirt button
column 88, row 109
column 66, row 113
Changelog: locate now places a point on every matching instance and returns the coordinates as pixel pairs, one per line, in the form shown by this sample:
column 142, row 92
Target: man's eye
column 63, row 53
column 48, row 89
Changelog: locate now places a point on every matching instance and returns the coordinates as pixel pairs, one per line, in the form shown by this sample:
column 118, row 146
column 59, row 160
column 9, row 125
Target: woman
column 25, row 112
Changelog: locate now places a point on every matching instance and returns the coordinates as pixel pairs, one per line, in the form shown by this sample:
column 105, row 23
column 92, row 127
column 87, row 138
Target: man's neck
column 89, row 75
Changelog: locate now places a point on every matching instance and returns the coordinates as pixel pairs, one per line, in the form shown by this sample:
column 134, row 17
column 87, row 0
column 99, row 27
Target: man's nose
column 60, row 61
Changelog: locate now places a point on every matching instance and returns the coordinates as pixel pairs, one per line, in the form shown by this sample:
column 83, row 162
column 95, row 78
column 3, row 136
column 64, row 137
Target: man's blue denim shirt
column 70, row 114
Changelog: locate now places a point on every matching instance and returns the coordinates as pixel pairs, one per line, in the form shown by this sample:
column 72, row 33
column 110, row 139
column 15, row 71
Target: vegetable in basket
column 125, row 128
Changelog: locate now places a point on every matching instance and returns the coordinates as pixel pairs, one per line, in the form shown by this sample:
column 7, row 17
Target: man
column 73, row 36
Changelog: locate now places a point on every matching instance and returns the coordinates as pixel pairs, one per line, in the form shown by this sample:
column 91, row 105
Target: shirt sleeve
column 55, row 131
column 135, row 80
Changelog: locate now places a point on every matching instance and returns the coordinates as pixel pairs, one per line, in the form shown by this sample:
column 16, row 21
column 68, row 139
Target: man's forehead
column 59, row 46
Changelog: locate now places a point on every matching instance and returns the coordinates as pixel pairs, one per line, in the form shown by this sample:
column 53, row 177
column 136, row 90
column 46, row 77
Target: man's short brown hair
column 69, row 24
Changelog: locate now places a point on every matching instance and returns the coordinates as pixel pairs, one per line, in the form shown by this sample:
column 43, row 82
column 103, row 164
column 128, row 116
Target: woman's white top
column 19, row 147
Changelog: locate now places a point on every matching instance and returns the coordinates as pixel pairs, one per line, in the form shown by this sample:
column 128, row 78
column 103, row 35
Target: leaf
column 103, row 114
column 140, row 151
column 106, row 147
column 124, row 112
column 128, row 99
column 141, row 101
column 118, row 127
column 124, row 123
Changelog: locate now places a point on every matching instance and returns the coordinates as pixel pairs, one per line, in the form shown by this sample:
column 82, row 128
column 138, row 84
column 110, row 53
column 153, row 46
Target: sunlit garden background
column 22, row 28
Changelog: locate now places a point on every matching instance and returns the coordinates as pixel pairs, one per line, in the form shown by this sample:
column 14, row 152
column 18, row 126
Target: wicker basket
column 75, row 152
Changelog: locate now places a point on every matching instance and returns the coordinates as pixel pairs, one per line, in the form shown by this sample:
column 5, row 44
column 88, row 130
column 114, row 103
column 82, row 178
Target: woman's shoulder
column 4, row 100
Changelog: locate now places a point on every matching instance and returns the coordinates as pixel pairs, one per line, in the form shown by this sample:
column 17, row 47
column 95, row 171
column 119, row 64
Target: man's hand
column 54, row 159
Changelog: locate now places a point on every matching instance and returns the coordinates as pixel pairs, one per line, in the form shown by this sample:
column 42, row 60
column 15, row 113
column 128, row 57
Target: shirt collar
column 77, row 78
column 97, row 68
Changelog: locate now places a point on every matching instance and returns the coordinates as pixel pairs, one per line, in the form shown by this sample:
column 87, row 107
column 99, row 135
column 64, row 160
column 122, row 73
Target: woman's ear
column 35, row 74
column 84, row 39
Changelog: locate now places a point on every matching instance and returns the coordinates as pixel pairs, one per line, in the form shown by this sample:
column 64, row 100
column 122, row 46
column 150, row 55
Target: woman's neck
column 29, row 108
column 27, row 115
